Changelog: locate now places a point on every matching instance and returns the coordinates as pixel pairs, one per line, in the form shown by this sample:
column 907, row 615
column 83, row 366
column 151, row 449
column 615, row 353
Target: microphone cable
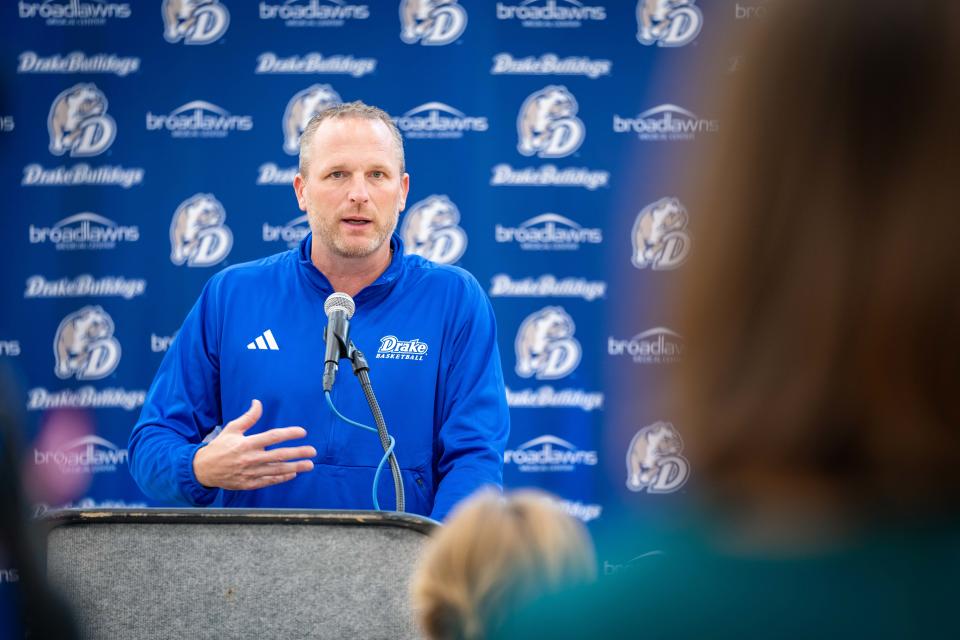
column 388, row 453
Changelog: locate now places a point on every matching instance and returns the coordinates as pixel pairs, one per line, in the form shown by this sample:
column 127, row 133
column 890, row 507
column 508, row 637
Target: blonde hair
column 496, row 555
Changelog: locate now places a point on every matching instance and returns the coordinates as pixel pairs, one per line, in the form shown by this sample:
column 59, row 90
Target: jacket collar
column 375, row 290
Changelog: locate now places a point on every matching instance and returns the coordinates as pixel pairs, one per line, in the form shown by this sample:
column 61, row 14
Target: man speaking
column 250, row 356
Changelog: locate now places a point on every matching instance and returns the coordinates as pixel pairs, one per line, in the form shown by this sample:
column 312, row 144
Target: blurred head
column 822, row 305
column 495, row 555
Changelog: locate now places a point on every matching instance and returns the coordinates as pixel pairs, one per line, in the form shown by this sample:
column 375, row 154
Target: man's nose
column 358, row 193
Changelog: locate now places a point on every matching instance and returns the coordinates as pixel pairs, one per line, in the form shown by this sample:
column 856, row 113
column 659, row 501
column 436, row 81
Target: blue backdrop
column 543, row 138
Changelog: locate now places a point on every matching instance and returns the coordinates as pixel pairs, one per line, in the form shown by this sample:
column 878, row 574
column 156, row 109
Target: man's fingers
column 274, row 436
column 283, row 468
column 289, row 453
column 270, row 473
column 247, row 420
column 266, row 481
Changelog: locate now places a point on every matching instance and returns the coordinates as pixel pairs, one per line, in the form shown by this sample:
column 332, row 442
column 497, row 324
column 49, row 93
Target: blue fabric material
column 446, row 408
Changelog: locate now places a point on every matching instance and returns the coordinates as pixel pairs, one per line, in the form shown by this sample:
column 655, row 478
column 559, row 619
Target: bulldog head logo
column 654, row 463
column 198, row 235
column 194, row 21
column 668, row 23
column 660, row 239
column 545, row 345
column 547, row 124
column 430, row 230
column 431, row 22
column 78, row 122
column 84, row 345
column 303, row 106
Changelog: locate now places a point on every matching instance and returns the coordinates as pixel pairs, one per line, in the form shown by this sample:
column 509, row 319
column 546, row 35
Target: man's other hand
column 235, row 461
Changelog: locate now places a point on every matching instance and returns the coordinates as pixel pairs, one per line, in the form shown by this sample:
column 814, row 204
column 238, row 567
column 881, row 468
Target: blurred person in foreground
column 495, row 555
column 29, row 607
column 821, row 314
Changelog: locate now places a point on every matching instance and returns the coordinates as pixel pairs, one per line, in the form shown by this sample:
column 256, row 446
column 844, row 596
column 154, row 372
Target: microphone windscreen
column 339, row 301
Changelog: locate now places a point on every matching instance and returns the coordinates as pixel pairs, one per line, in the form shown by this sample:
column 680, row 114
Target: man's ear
column 404, row 189
column 298, row 186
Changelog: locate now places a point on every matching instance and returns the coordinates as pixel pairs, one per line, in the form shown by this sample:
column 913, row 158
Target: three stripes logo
column 265, row 342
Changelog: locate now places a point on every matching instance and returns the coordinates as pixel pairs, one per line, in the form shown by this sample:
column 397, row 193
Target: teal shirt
column 895, row 584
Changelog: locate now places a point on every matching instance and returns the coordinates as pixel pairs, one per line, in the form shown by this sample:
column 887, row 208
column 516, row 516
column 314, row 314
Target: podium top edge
column 66, row 517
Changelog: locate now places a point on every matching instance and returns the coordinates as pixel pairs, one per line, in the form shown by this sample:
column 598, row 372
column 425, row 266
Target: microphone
column 339, row 308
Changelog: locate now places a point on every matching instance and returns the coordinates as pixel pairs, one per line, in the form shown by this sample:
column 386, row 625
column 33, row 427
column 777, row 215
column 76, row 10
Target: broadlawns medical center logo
column 89, row 454
column 548, row 453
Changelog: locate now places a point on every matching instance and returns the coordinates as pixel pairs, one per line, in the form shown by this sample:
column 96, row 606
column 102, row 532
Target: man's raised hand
column 233, row 460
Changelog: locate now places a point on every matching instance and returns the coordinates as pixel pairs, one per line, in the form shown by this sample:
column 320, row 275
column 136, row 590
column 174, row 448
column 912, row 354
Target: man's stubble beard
column 332, row 239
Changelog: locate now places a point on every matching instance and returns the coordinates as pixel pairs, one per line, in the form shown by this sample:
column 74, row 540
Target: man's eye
column 377, row 174
column 336, row 174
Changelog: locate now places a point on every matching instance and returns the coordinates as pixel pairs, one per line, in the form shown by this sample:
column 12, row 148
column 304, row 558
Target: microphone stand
column 362, row 370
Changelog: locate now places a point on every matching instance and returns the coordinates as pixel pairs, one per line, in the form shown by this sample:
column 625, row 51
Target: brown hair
column 355, row 109
column 821, row 305
column 495, row 555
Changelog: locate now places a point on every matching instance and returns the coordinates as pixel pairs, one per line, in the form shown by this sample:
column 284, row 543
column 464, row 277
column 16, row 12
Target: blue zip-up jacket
column 444, row 402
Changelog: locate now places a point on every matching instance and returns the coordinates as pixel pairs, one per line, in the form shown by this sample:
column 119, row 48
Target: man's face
column 353, row 192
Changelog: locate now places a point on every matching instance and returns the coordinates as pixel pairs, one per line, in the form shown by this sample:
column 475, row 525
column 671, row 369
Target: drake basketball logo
column 303, row 106
column 547, row 125
column 430, row 230
column 84, row 345
column 668, row 23
column 545, row 346
column 78, row 122
column 431, row 22
column 194, row 21
column 198, row 235
column 654, row 463
column 660, row 239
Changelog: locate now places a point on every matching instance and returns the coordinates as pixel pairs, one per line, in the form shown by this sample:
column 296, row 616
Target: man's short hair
column 355, row 109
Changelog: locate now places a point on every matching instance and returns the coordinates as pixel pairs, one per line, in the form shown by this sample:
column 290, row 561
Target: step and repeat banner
column 149, row 144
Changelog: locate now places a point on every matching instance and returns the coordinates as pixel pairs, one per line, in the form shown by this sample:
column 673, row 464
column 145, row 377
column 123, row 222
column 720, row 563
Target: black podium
column 236, row 573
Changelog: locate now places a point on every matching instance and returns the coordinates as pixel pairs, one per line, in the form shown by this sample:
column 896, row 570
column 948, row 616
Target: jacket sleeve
column 474, row 421
column 181, row 409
